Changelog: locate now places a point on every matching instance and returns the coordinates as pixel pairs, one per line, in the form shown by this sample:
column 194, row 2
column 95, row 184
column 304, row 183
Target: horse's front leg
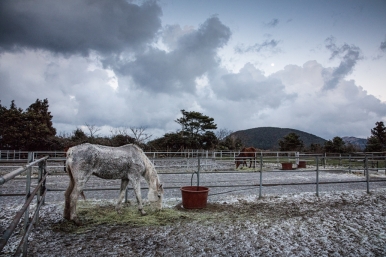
column 137, row 190
column 124, row 183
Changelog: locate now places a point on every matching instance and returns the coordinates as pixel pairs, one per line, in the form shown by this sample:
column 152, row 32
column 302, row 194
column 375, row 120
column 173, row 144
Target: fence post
column 367, row 175
column 28, row 190
column 317, row 176
column 325, row 160
column 198, row 172
column 44, row 182
column 28, row 193
column 349, row 163
column 261, row 175
column 206, row 159
column 40, row 176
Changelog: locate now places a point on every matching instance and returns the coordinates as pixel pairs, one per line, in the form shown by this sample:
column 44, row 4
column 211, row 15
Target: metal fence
column 198, row 162
column 39, row 192
column 187, row 160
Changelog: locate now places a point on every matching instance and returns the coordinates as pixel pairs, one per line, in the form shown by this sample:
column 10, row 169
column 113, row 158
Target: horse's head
column 155, row 194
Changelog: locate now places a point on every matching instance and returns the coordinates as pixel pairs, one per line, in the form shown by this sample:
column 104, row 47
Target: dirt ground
column 287, row 221
column 335, row 224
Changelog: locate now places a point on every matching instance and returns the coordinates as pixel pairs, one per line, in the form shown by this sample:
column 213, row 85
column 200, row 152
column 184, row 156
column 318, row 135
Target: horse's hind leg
column 124, row 183
column 67, row 199
column 250, row 163
column 73, row 199
column 78, row 188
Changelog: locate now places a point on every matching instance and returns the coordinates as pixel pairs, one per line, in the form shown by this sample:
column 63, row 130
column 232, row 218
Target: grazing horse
column 128, row 163
column 245, row 154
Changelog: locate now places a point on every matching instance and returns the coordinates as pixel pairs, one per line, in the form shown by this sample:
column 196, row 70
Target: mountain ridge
column 355, row 141
column 267, row 138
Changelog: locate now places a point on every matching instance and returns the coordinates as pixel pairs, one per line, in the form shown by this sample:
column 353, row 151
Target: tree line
column 375, row 143
column 32, row 130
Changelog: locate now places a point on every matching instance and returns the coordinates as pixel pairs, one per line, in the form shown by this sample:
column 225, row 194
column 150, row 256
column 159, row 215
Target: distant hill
column 358, row 142
column 267, row 138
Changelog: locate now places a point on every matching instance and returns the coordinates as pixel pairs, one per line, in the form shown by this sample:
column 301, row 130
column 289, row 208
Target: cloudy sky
column 316, row 66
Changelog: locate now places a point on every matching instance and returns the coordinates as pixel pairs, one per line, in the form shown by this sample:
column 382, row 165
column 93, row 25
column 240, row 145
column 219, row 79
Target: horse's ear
column 160, row 187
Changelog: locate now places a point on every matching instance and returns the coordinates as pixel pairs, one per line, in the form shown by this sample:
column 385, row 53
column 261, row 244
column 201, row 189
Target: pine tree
column 377, row 141
column 291, row 142
column 337, row 145
column 12, row 126
column 195, row 126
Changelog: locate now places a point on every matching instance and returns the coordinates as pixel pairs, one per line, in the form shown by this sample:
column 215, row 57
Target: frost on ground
column 335, row 224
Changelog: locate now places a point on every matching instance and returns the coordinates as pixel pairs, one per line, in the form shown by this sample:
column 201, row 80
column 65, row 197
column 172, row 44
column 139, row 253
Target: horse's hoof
column 143, row 213
column 77, row 222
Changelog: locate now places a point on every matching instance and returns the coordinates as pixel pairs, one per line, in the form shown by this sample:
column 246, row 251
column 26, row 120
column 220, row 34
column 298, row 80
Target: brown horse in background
column 245, row 154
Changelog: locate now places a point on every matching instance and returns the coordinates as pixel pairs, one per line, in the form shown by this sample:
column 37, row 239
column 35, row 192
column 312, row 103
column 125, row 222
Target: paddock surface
column 287, row 221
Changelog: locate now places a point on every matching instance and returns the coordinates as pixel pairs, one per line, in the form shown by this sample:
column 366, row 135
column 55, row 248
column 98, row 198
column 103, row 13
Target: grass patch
column 93, row 215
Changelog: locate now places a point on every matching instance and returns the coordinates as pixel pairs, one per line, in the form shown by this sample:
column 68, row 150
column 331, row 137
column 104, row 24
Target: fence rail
column 198, row 161
column 39, row 192
column 187, row 159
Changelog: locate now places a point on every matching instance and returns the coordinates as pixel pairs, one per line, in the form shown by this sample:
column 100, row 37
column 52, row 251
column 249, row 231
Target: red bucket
column 302, row 164
column 194, row 197
column 286, row 166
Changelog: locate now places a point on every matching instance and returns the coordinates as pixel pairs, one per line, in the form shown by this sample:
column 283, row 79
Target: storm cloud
column 272, row 23
column 383, row 46
column 115, row 64
column 267, row 45
column 193, row 54
column 250, row 84
column 77, row 26
column 349, row 54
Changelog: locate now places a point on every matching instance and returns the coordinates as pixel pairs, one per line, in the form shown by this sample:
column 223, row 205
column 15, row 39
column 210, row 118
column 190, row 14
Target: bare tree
column 139, row 134
column 92, row 130
column 119, row 131
column 222, row 133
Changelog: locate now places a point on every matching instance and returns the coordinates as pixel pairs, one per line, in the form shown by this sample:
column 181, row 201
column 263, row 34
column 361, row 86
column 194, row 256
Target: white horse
column 128, row 163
